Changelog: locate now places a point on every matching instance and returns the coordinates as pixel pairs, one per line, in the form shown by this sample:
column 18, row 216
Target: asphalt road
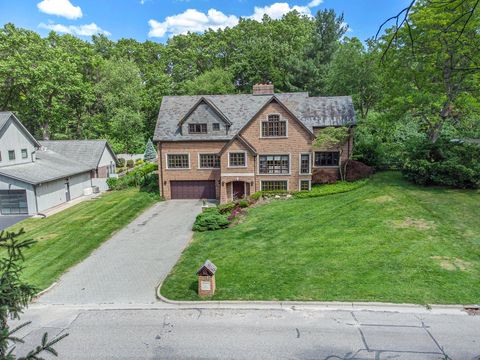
column 9, row 220
column 253, row 334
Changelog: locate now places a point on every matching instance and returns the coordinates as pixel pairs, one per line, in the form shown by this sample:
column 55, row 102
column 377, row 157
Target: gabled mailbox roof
column 208, row 267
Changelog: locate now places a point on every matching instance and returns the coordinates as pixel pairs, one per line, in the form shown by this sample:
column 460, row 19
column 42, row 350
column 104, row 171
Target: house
column 34, row 177
column 226, row 147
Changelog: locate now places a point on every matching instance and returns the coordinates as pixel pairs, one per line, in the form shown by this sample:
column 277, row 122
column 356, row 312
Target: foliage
column 211, row 82
column 76, row 232
column 150, row 151
column 15, row 294
column 137, row 177
column 210, row 219
column 226, row 208
column 130, row 163
column 329, row 189
column 444, row 163
column 121, row 162
column 149, row 183
column 372, row 244
column 334, row 138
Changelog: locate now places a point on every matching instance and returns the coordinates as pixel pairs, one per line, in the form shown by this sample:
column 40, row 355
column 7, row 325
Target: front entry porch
column 236, row 190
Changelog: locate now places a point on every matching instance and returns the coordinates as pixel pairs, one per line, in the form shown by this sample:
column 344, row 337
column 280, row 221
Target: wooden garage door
column 193, row 189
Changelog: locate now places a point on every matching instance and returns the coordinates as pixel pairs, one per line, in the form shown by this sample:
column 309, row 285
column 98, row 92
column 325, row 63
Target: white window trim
column 274, row 137
column 270, row 154
column 262, row 181
column 327, row 166
column 235, row 152
column 166, row 161
column 309, row 184
column 204, row 168
column 310, row 157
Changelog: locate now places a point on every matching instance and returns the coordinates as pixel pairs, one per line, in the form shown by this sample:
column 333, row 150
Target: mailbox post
column 206, row 279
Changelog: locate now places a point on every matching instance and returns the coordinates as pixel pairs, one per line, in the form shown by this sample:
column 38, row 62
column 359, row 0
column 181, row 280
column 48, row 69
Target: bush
column 139, row 162
column 121, row 162
column 357, row 170
column 243, row 203
column 210, row 219
column 226, row 208
column 329, row 189
column 149, row 183
column 256, row 196
column 141, row 176
column 130, row 163
column 443, row 163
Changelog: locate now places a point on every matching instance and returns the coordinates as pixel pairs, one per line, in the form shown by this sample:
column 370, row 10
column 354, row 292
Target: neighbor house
column 36, row 176
column 226, row 147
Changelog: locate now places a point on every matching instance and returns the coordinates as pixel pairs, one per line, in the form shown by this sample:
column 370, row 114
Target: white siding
column 12, row 137
column 106, row 158
column 12, row 184
column 53, row 193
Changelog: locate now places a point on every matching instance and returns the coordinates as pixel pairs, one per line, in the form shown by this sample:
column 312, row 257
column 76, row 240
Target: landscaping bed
column 68, row 237
column 387, row 241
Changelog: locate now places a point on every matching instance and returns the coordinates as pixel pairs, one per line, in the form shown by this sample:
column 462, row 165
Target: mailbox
column 206, row 279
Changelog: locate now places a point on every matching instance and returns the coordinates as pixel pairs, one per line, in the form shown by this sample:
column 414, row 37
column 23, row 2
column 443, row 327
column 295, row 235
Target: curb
column 46, row 290
column 314, row 305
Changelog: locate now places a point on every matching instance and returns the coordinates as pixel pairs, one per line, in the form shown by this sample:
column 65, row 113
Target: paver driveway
column 127, row 268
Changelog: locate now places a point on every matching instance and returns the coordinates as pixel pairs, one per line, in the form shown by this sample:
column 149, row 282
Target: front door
column 238, row 190
column 67, row 190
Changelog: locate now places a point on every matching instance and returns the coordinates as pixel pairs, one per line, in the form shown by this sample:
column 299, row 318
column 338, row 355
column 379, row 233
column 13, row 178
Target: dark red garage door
column 193, row 189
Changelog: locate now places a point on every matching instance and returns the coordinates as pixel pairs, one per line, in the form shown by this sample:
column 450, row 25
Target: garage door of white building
column 13, row 202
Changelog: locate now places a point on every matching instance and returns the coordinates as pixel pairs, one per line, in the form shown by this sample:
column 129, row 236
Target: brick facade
column 298, row 141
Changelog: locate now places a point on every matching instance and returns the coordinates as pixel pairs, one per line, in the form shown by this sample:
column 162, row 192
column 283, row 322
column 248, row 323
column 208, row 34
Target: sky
column 157, row 20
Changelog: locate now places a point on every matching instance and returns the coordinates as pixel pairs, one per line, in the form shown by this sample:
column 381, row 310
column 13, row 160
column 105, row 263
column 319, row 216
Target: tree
column 354, row 71
column 215, row 81
column 431, row 69
column 150, row 152
column 15, row 294
column 334, row 138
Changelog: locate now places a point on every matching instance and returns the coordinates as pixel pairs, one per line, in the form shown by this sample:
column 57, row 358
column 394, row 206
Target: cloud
column 62, row 8
column 192, row 20
column 80, row 30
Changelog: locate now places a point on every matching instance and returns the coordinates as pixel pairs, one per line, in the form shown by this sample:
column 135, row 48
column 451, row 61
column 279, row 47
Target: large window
column 274, row 126
column 197, row 128
column 274, row 164
column 237, row 159
column 305, row 164
column 327, row 158
column 275, row 185
column 209, row 161
column 178, row 161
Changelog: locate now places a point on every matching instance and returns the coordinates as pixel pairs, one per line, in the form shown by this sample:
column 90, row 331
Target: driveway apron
column 127, row 268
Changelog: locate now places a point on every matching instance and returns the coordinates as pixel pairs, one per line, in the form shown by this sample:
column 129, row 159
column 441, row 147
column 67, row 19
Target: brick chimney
column 263, row 89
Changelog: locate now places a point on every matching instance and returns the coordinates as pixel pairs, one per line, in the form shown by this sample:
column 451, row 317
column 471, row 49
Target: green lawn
column 68, row 237
column 386, row 241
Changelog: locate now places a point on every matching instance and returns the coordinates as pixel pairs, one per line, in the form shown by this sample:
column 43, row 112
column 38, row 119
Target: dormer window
column 274, row 126
column 197, row 128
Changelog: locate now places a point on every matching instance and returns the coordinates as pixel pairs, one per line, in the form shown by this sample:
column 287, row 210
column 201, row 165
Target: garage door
column 193, row 189
column 13, row 202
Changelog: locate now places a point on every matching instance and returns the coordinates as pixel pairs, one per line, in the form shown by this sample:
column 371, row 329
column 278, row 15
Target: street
column 166, row 331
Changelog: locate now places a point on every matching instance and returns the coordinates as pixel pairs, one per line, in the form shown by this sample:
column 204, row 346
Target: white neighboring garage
column 33, row 179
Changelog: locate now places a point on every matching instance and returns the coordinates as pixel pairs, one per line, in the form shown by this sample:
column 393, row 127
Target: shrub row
column 143, row 176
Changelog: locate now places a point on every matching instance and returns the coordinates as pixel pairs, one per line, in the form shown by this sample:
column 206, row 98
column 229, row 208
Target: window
column 305, row 164
column 197, row 128
column 274, row 126
column 11, row 154
column 24, row 153
column 0, row 156
column 237, row 159
column 209, row 161
column 216, row 126
column 327, row 158
column 274, row 164
column 178, row 161
column 274, row 185
column 304, row 185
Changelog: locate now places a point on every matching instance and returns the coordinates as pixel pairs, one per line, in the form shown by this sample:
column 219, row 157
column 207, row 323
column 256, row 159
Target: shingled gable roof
column 211, row 105
column 240, row 138
column 312, row 112
column 7, row 115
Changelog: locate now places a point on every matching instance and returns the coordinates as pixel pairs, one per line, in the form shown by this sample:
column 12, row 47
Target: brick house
column 229, row 146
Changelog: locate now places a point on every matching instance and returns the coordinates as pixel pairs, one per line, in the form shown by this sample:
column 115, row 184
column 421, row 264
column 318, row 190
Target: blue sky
column 158, row 19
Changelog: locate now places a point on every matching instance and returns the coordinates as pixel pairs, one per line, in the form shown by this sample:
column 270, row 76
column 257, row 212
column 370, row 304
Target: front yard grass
column 68, row 237
column 386, row 241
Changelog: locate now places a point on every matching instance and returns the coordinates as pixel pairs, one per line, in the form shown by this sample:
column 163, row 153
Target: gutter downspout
column 35, row 194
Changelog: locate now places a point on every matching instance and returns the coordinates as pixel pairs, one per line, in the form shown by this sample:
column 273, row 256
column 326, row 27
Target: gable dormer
column 204, row 118
column 17, row 145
